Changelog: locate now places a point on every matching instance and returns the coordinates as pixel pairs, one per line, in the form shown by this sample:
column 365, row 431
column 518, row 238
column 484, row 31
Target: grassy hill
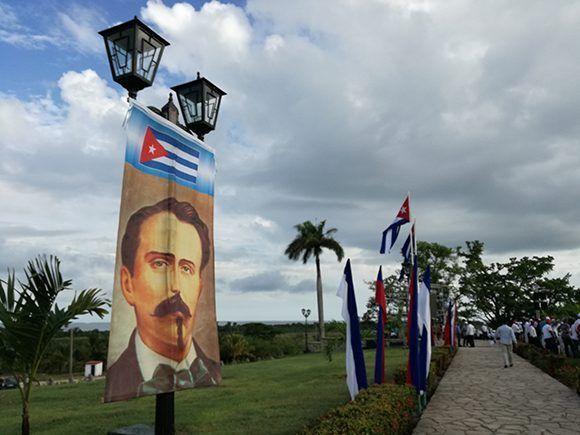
column 270, row 397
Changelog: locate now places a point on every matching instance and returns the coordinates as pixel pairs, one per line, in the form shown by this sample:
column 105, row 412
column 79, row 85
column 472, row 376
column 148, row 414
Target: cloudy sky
column 335, row 109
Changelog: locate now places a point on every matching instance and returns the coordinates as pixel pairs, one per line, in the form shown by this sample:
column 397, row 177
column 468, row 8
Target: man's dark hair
column 183, row 211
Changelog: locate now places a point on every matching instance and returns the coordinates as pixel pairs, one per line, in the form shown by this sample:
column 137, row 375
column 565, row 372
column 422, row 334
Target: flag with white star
column 392, row 232
column 158, row 147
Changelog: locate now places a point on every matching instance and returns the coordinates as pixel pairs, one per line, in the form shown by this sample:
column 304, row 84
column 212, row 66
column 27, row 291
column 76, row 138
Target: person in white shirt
column 532, row 334
column 575, row 335
column 549, row 337
column 517, row 330
column 526, row 328
column 507, row 339
column 470, row 332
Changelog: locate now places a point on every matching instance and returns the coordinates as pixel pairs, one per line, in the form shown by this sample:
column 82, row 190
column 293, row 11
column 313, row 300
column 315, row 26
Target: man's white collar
column 148, row 359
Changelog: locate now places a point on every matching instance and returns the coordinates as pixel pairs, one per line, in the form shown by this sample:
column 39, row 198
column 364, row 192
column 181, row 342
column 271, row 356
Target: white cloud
column 82, row 25
column 335, row 109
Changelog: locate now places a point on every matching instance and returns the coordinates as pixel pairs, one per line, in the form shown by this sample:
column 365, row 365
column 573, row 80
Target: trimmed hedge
column 565, row 370
column 380, row 409
column 383, row 409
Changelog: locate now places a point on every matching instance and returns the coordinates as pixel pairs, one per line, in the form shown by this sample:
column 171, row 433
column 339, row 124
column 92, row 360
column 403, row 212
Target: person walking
column 507, row 339
column 470, row 332
column 549, row 337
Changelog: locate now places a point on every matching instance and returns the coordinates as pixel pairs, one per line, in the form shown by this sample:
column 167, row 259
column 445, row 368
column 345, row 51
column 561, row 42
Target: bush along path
column 479, row 395
column 390, row 408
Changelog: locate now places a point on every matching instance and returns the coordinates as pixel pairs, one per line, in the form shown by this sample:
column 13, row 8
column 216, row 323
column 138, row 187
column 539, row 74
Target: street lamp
column 200, row 104
column 134, row 51
column 305, row 313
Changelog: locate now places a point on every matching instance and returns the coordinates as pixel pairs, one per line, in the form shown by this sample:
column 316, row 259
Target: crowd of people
column 557, row 336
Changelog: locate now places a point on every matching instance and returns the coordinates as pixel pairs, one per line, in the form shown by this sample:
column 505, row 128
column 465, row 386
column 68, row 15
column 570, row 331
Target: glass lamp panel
column 191, row 101
column 148, row 54
column 211, row 106
column 121, row 50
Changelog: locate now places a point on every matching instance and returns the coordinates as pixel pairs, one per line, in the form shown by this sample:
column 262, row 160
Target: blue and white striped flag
column 356, row 375
column 424, row 321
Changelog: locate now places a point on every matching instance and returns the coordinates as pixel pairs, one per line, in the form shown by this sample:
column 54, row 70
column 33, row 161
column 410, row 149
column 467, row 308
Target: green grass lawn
column 276, row 396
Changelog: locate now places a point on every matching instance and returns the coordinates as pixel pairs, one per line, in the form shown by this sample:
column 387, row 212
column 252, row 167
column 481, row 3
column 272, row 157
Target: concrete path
column 477, row 395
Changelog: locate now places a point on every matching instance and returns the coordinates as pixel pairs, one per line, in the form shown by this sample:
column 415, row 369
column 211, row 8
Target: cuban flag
column 412, row 328
column 424, row 321
column 392, row 232
column 356, row 375
column 406, row 251
column 164, row 153
column 381, row 301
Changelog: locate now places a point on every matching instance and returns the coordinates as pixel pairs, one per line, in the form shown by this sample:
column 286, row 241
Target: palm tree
column 310, row 241
column 30, row 318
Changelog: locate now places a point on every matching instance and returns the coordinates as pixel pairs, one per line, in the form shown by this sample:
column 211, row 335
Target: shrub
column 234, row 347
column 400, row 376
column 381, row 409
column 330, row 345
column 277, row 347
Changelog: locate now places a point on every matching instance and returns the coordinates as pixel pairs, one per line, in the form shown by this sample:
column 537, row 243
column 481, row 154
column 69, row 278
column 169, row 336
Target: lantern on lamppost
column 134, row 51
column 305, row 313
column 200, row 104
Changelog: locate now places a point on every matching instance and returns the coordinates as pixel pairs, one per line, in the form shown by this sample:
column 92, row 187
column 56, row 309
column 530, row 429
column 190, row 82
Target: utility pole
column 70, row 357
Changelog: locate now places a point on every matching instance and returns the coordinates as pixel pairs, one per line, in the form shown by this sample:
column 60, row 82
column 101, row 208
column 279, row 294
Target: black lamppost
column 305, row 313
column 134, row 51
column 200, row 104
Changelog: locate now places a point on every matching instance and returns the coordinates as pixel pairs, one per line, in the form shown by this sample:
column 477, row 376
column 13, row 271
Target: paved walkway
column 477, row 395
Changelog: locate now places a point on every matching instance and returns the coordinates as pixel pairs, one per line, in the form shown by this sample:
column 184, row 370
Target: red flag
column 381, row 302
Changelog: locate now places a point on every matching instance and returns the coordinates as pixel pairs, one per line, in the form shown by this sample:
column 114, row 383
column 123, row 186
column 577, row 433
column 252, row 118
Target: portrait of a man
column 164, row 249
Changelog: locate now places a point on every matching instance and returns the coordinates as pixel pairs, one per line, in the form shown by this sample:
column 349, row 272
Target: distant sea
column 105, row 326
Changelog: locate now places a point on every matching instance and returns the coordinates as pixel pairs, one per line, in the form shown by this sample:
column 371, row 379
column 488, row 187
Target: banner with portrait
column 163, row 325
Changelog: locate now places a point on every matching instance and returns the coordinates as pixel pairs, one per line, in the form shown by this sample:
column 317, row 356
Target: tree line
column 493, row 292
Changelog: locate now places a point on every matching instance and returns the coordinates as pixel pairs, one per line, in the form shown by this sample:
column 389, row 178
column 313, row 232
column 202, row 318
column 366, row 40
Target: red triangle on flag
column 151, row 148
column 404, row 212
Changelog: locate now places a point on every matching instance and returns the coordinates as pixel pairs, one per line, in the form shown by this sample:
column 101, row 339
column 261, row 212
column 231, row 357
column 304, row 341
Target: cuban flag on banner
column 424, row 321
column 163, row 152
column 406, row 251
column 412, row 328
column 392, row 232
column 356, row 375
column 160, row 148
column 381, row 301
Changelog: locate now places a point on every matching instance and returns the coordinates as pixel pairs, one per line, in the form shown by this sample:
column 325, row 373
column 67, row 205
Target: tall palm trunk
column 321, row 334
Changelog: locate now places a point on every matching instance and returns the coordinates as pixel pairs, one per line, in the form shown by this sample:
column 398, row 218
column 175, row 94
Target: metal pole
column 165, row 402
column 305, row 334
column 70, row 357
column 164, row 414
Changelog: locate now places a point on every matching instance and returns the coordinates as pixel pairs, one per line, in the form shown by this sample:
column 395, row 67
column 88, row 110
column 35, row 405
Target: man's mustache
column 172, row 305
